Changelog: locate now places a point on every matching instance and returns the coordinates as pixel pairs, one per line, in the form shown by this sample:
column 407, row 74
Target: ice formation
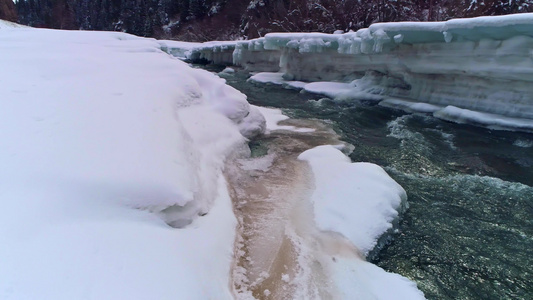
column 482, row 64
column 107, row 144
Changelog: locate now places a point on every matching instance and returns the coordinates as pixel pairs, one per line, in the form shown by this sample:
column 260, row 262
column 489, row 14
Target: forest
column 202, row 20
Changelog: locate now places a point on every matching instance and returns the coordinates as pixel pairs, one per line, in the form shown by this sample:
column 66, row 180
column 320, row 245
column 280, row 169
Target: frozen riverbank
column 483, row 65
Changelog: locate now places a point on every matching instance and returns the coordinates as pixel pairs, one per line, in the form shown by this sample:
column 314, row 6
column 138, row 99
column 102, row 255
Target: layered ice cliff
column 482, row 64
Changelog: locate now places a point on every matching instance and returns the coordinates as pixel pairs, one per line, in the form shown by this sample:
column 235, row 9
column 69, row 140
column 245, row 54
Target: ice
column 358, row 200
column 253, row 56
column 228, row 70
column 182, row 50
column 218, row 52
column 268, row 77
column 481, row 64
column 107, row 145
column 274, row 115
column 410, row 106
column 329, row 89
column 357, row 279
column 492, row 121
column 277, row 78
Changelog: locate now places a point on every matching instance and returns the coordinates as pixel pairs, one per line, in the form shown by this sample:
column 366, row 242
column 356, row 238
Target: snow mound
column 107, row 143
column 273, row 116
column 278, row 79
column 357, row 279
column 358, row 200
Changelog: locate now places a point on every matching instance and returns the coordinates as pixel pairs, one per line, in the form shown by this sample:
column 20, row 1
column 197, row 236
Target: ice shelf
column 482, row 64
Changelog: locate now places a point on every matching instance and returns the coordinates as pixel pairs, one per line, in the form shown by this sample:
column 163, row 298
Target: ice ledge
column 480, row 64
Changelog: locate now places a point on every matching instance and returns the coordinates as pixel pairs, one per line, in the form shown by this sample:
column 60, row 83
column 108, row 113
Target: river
column 468, row 233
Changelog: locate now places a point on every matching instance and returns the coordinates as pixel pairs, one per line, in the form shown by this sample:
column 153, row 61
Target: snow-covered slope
column 106, row 145
column 9, row 25
column 481, row 64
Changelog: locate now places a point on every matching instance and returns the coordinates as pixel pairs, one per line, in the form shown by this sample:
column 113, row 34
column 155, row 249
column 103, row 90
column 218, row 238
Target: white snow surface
column 329, row 89
column 358, row 200
column 106, row 144
column 274, row 115
column 268, row 77
column 5, row 25
column 358, row 279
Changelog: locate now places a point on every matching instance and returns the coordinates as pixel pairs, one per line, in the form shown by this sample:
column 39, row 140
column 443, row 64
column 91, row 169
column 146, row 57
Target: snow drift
column 482, row 64
column 358, row 200
column 107, row 143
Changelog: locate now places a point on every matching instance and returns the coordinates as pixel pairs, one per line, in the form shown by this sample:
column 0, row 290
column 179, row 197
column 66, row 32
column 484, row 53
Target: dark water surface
column 468, row 233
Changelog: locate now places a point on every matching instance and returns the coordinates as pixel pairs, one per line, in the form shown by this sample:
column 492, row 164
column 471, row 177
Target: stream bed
column 468, row 233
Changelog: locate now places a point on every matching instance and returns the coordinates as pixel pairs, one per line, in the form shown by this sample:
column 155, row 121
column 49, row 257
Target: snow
column 358, row 279
column 219, row 52
column 492, row 121
column 179, row 49
column 410, row 106
column 5, row 25
column 358, row 200
column 329, row 89
column 107, row 145
column 268, row 77
column 273, row 116
column 228, row 70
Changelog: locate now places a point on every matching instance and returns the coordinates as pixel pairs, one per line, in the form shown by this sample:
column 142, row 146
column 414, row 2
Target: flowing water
column 468, row 233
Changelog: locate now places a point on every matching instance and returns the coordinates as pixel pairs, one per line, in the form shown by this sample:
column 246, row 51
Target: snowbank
column 358, row 200
column 361, row 202
column 108, row 144
column 481, row 64
column 358, row 279
column 273, row 116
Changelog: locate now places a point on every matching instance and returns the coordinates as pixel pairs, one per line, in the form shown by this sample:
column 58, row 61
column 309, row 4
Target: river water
column 468, row 233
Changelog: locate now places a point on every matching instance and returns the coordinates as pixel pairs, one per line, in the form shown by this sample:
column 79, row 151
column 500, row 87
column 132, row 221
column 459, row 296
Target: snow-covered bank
column 358, row 200
column 107, row 144
column 481, row 64
column 362, row 203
